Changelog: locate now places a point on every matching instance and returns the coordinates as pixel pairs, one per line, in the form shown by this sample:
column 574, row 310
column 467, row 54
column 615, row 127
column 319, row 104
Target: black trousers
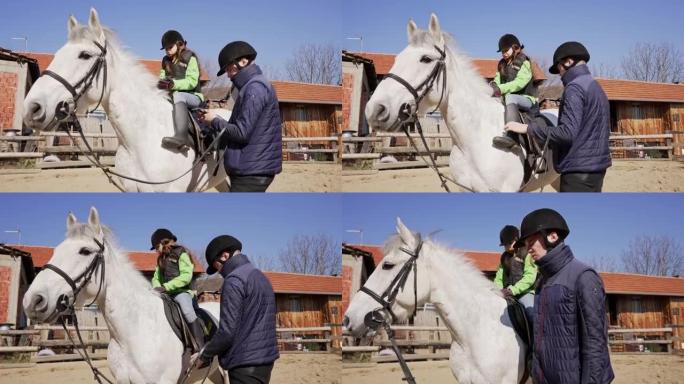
column 250, row 183
column 258, row 374
column 582, row 182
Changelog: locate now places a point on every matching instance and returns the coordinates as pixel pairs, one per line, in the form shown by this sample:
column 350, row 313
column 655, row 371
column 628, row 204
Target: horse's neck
column 461, row 295
column 138, row 113
column 472, row 116
column 128, row 305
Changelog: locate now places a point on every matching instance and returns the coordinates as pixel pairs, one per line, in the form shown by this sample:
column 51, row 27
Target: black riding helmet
column 508, row 40
column 159, row 235
column 543, row 220
column 170, row 38
column 569, row 49
column 233, row 52
column 217, row 246
column 508, row 234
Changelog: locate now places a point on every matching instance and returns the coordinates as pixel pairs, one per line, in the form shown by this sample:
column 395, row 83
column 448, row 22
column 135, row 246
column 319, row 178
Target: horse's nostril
column 381, row 113
column 345, row 322
column 36, row 112
column 39, row 303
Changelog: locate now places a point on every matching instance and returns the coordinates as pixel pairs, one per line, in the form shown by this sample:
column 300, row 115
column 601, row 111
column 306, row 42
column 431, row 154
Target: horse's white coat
column 472, row 116
column 485, row 348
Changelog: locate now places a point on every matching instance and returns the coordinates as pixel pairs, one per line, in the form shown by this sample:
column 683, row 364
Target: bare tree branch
column 605, row 71
column 313, row 63
column 650, row 62
column 315, row 254
column 654, row 255
column 264, row 263
column 603, row 264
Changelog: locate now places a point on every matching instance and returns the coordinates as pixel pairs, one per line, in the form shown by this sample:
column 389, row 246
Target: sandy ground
column 289, row 369
column 629, row 369
column 623, row 176
column 294, row 178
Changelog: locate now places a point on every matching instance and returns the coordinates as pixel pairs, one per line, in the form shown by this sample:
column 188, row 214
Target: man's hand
column 209, row 115
column 160, row 289
column 516, row 127
column 506, row 292
column 200, row 363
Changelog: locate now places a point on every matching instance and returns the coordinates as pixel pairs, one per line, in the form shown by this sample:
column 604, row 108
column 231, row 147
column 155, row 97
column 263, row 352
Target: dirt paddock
column 309, row 177
column 623, row 176
column 629, row 369
column 289, row 369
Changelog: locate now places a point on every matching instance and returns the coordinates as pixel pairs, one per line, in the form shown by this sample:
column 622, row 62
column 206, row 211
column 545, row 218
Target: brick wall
column 347, row 84
column 8, row 89
column 5, row 284
column 346, row 286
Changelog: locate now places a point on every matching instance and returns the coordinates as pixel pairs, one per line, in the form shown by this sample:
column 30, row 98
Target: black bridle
column 408, row 115
column 66, row 307
column 381, row 316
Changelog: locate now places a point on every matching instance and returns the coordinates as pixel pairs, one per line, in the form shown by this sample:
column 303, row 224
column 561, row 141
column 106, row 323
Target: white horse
column 485, row 349
column 140, row 114
column 142, row 347
column 472, row 116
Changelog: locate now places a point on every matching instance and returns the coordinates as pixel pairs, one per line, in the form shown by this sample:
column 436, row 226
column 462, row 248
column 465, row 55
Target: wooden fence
column 394, row 151
column 430, row 343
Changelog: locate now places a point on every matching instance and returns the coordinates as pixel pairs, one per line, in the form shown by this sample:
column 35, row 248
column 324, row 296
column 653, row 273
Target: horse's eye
column 84, row 251
column 387, row 265
column 85, row 55
column 426, row 59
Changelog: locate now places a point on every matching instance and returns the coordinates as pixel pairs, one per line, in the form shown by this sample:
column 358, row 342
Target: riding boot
column 197, row 330
column 509, row 139
column 180, row 128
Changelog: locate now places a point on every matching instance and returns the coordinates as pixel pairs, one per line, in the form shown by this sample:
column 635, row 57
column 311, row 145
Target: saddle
column 521, row 325
column 180, row 326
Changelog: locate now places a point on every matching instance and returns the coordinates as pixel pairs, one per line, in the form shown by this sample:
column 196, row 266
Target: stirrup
column 503, row 142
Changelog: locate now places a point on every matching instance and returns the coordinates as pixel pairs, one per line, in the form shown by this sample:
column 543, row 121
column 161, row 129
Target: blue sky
column 608, row 28
column 264, row 223
column 601, row 224
column 275, row 28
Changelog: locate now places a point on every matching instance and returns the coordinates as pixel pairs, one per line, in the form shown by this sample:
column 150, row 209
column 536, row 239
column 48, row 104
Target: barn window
column 638, row 113
column 295, row 304
column 675, row 118
column 675, row 311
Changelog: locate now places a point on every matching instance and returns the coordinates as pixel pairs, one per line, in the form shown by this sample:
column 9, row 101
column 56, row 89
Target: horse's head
column 79, row 259
column 418, row 66
column 80, row 64
column 394, row 276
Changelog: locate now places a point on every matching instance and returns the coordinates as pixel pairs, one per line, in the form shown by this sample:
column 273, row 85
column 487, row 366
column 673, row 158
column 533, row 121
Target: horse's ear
column 71, row 221
column 411, row 29
column 94, row 219
column 94, row 22
column 406, row 235
column 435, row 29
column 71, row 24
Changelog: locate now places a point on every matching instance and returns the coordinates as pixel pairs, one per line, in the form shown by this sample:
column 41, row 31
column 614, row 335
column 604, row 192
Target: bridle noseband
column 66, row 109
column 64, row 304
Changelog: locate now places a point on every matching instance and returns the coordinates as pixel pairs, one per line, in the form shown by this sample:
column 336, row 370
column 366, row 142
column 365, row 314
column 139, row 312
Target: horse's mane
column 113, row 253
column 125, row 58
column 454, row 259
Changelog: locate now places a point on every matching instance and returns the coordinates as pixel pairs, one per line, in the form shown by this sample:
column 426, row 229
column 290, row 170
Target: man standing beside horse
column 253, row 135
column 580, row 140
column 246, row 338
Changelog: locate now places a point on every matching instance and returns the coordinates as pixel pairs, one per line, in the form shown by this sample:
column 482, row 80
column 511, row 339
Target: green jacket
column 192, row 75
column 521, row 80
column 180, row 283
column 525, row 284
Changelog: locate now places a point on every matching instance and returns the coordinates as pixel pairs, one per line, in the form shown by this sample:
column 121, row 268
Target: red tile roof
column 615, row 283
column 629, row 283
column 306, row 284
column 154, row 66
column 384, row 61
column 629, row 90
column 295, row 92
column 144, row 261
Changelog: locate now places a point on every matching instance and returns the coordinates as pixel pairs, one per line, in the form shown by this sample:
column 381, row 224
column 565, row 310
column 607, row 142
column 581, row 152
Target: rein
column 66, row 112
column 64, row 306
column 379, row 317
column 408, row 115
